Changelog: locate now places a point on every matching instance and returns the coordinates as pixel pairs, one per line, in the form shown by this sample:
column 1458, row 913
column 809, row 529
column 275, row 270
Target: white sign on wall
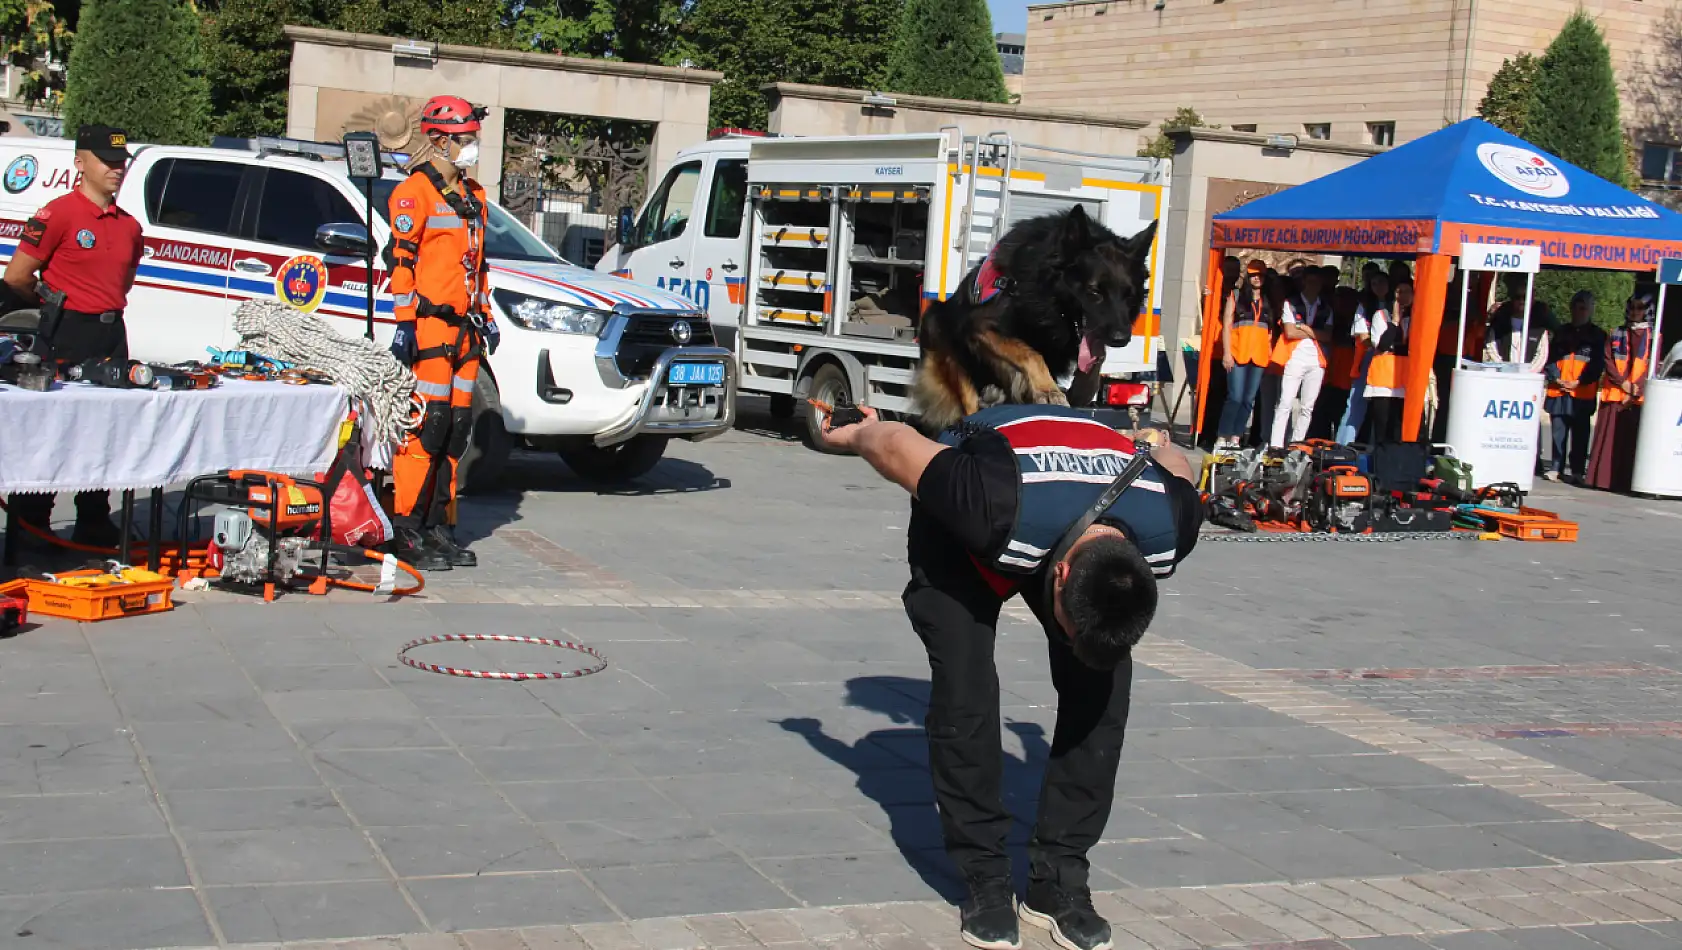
column 1519, row 258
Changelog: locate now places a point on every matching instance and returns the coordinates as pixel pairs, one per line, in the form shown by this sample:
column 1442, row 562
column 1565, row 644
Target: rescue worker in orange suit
column 444, row 325
column 76, row 260
column 1577, row 358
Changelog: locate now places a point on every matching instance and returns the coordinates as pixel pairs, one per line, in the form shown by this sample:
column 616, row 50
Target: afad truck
column 815, row 257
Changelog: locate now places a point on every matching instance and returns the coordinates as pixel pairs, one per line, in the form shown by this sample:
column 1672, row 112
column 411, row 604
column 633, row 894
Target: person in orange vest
column 1304, row 335
column 1374, row 306
column 1343, row 353
column 444, row 325
column 1612, row 456
column 1386, row 385
column 1246, row 349
column 1577, row 354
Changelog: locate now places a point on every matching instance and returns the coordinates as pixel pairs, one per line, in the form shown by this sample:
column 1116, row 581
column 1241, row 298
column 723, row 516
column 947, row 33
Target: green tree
column 1183, row 118
column 457, row 22
column 1575, row 115
column 248, row 61
column 37, row 44
column 137, row 65
column 636, row 31
column 1506, row 104
column 945, row 48
column 755, row 42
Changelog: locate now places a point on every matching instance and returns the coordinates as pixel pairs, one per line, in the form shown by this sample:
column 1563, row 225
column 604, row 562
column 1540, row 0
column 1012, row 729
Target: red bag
column 357, row 518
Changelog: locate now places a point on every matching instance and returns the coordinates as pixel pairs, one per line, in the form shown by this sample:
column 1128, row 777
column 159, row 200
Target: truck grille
column 648, row 336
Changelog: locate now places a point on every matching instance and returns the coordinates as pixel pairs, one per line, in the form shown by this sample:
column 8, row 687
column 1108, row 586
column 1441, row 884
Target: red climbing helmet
column 449, row 115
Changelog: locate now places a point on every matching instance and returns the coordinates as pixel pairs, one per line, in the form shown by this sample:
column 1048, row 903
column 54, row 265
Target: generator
column 272, row 535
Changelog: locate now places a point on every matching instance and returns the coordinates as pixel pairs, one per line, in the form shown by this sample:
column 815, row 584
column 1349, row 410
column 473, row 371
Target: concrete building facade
column 1369, row 72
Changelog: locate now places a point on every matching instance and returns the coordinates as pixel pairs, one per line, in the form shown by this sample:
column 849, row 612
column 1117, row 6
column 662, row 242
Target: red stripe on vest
column 1061, row 432
column 1002, row 586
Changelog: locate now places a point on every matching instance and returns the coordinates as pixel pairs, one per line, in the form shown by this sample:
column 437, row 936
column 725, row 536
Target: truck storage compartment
column 884, row 262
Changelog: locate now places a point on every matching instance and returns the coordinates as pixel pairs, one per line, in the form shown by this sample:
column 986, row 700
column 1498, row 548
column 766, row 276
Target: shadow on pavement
column 880, row 759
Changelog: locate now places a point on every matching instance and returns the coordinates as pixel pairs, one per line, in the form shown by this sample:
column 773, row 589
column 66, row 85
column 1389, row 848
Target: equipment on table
column 91, row 595
column 363, row 368
column 27, row 371
column 132, row 374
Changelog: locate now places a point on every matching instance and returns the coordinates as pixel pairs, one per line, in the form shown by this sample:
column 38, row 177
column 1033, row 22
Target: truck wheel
column 481, row 466
column 829, row 383
column 633, row 458
column 782, row 407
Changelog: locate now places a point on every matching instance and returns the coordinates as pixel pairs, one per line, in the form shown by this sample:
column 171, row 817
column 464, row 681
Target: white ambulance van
column 601, row 370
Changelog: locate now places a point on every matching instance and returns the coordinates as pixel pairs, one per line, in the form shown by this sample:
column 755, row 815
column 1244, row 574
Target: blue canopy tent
column 1470, row 183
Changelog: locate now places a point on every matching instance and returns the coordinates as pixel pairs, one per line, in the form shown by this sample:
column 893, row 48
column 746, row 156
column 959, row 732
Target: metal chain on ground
column 402, row 655
column 360, row 366
column 1299, row 537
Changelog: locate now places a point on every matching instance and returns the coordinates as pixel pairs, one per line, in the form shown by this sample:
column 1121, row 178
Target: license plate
column 696, row 374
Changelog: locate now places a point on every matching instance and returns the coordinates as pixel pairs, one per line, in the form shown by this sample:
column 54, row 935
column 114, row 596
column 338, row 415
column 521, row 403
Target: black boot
column 1068, row 914
column 442, row 537
column 989, row 916
column 416, row 549
column 96, row 531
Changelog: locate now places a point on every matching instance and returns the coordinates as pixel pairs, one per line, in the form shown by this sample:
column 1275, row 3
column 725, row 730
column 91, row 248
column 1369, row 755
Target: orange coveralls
column 439, row 284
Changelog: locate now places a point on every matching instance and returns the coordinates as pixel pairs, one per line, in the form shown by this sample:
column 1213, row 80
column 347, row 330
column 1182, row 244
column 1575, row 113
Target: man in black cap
column 76, row 260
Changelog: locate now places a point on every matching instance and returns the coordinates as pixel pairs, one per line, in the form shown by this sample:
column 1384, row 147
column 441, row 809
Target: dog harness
column 1065, row 463
column 989, row 281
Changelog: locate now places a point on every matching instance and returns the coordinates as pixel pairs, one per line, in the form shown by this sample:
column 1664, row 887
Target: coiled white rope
column 360, row 366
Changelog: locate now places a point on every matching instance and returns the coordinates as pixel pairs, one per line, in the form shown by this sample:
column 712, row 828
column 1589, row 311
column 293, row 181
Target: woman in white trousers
column 1304, row 325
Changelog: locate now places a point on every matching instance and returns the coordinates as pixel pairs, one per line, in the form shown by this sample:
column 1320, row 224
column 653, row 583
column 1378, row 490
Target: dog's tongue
column 1091, row 352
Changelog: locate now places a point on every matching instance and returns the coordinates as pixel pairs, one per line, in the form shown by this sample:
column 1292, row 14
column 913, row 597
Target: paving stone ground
column 1367, row 747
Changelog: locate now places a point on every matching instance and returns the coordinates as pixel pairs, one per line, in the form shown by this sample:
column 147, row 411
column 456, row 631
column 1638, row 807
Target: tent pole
column 1430, row 292
column 1463, row 326
column 1212, row 316
column 1653, row 335
column 1524, row 335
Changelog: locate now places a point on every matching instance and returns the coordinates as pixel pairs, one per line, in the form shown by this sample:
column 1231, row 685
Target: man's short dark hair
column 1109, row 598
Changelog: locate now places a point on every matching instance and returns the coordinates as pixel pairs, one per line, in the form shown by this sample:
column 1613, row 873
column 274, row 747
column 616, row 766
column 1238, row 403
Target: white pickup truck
column 586, row 362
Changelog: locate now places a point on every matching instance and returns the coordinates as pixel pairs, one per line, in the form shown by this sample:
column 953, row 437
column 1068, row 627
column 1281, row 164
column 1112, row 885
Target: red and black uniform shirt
column 89, row 252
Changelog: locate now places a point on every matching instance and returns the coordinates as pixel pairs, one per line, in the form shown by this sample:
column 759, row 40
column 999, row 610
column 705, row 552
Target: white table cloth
column 80, row 436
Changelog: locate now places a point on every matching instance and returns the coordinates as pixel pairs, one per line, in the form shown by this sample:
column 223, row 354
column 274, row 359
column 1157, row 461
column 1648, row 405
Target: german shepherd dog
column 1056, row 290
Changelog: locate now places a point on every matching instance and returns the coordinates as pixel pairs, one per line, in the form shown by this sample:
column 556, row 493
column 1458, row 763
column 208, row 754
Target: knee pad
column 435, row 428
column 461, row 429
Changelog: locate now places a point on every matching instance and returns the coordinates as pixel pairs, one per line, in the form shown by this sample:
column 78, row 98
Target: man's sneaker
column 443, row 538
column 989, row 916
column 418, row 551
column 1068, row 914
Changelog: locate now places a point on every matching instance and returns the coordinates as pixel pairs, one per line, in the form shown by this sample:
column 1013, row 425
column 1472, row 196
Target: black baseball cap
column 109, row 145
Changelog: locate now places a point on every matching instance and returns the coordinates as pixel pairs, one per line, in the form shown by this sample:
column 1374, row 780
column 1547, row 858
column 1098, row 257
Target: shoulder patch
column 404, row 223
column 405, row 202
column 44, row 213
column 34, row 230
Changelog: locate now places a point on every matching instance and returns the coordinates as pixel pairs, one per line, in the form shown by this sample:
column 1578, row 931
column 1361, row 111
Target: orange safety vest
column 1472, row 347
column 1346, row 359
column 1628, row 353
column 1285, row 347
column 437, row 255
column 1388, row 370
column 1252, row 333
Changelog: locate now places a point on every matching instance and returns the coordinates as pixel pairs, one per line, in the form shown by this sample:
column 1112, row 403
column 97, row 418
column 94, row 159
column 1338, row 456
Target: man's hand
column 1228, row 362
column 403, row 343
column 493, row 336
column 846, row 438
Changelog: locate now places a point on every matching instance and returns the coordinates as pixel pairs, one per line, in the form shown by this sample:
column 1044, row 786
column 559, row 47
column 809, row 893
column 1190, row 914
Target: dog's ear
column 1076, row 233
column 1138, row 247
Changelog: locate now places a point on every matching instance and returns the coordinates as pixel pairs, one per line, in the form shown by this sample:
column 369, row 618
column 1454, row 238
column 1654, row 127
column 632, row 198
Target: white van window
column 729, row 196
column 505, row 239
column 668, row 211
column 194, row 195
column 295, row 204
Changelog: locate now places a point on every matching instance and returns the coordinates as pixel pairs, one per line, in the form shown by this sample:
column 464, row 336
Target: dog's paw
column 1051, row 397
column 991, row 396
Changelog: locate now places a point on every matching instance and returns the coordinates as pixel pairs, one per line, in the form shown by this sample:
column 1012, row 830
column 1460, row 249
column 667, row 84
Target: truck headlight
column 549, row 316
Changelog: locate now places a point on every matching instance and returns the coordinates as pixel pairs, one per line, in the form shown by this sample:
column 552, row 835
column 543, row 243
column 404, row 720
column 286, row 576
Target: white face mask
column 468, row 156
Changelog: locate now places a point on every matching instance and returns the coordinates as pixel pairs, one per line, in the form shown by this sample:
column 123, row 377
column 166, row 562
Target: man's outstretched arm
column 895, row 450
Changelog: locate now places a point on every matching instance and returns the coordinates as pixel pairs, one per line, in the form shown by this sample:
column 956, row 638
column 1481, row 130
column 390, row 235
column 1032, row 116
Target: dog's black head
column 1101, row 279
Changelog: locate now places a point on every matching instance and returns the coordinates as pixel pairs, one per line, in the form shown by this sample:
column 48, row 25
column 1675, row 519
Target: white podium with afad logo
column 1658, row 446
column 1495, row 413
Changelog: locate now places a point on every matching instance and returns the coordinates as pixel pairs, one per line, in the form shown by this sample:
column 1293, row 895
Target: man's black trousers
column 956, row 615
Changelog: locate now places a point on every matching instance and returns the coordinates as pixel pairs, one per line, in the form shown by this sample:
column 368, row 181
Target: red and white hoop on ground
column 600, row 664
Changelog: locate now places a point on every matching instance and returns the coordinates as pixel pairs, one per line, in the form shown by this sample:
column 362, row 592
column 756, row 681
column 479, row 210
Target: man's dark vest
column 1064, row 461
